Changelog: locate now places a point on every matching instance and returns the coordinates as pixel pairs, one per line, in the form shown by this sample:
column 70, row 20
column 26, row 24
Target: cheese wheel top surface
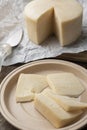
column 65, row 9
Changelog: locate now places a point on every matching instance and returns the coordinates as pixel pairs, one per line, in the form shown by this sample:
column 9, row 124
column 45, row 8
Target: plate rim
column 18, row 69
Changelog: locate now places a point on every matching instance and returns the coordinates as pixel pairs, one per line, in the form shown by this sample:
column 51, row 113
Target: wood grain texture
column 78, row 57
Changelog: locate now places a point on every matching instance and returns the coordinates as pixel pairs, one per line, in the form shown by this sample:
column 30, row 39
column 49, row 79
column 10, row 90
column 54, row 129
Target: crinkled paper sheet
column 11, row 18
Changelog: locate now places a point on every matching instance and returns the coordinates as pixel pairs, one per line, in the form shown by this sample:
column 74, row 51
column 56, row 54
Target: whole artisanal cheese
column 66, row 84
column 67, row 103
column 60, row 17
column 53, row 112
column 28, row 85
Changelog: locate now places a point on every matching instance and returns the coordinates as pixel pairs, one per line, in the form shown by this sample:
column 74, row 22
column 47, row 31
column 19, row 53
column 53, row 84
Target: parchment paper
column 11, row 18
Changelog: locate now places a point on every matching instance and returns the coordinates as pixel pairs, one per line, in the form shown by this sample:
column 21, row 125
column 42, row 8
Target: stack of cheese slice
column 59, row 110
column 61, row 17
column 28, row 85
column 67, row 103
column 53, row 112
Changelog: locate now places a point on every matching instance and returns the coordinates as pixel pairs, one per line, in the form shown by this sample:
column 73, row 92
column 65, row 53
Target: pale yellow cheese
column 66, row 84
column 28, row 85
column 53, row 112
column 61, row 17
column 67, row 103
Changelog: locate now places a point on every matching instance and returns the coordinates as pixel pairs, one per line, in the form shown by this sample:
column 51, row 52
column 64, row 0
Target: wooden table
column 4, row 125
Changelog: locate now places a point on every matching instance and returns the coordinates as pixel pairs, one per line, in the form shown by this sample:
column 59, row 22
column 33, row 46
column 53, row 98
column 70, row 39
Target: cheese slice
column 66, row 84
column 28, row 85
column 60, row 17
column 67, row 103
column 53, row 112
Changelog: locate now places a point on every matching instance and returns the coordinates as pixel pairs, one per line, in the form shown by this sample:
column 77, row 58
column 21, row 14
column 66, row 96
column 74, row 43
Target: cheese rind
column 53, row 112
column 28, row 85
column 66, row 84
column 67, row 103
column 44, row 17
